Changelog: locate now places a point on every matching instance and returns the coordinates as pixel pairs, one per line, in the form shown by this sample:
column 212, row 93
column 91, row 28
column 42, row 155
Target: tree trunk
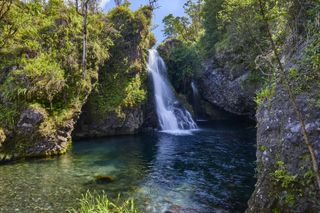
column 84, row 48
column 77, row 5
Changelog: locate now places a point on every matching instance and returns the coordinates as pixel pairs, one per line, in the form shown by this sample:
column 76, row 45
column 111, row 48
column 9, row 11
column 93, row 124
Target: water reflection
column 208, row 171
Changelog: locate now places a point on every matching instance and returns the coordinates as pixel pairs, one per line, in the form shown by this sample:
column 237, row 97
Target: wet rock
column 229, row 92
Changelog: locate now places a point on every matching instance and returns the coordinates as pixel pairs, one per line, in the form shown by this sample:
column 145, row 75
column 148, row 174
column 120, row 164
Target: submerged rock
column 105, row 179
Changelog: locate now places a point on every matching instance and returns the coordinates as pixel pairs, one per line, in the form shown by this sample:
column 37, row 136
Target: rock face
column 229, row 92
column 112, row 124
column 285, row 180
column 35, row 137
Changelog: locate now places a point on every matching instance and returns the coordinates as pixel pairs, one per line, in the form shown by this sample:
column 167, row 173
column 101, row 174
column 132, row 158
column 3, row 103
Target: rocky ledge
column 37, row 135
column 229, row 92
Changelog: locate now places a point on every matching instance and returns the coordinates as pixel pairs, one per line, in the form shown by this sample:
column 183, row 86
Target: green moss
column 262, row 148
column 288, row 187
column 284, row 178
column 265, row 93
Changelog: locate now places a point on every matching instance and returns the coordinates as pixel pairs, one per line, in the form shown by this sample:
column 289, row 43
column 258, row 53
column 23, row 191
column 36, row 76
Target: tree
column 153, row 4
column 84, row 13
column 118, row 2
column 7, row 27
column 187, row 28
column 4, row 8
column 176, row 27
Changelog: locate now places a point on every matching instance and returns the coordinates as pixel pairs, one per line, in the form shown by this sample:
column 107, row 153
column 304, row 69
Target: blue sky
column 166, row 7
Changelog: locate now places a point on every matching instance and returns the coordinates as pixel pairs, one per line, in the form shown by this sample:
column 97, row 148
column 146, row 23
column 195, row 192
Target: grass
column 100, row 203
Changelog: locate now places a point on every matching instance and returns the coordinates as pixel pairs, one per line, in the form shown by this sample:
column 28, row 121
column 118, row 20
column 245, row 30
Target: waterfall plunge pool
column 209, row 170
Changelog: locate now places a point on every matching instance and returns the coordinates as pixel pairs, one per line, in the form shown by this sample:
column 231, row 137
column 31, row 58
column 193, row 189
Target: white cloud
column 103, row 3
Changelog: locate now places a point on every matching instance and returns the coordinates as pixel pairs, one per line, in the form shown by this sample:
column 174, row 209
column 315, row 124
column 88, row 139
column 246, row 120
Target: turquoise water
column 210, row 170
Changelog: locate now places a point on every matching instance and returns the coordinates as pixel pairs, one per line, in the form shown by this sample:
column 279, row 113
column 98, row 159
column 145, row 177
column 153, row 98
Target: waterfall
column 197, row 103
column 196, row 99
column 171, row 115
column 194, row 89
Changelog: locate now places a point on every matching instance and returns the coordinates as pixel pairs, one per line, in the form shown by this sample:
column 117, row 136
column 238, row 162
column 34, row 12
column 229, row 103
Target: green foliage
column 186, row 28
column 213, row 32
column 264, row 94
column 40, row 63
column 291, row 187
column 262, row 148
column 308, row 70
column 95, row 203
column 181, row 50
column 40, row 79
column 183, row 63
column 122, row 80
column 287, row 182
column 285, row 179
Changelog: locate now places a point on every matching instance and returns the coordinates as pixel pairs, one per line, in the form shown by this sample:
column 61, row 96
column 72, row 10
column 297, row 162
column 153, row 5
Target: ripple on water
column 210, row 170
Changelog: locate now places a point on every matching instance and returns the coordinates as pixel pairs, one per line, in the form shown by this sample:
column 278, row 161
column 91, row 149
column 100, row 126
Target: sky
column 166, row 7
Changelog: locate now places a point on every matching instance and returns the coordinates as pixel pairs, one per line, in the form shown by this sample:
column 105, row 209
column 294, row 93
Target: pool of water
column 209, row 170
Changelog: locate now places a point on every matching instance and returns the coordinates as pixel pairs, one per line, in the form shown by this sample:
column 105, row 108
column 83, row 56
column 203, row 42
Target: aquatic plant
column 93, row 202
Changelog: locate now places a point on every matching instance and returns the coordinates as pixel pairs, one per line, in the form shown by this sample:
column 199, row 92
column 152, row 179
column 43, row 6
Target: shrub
column 39, row 78
column 183, row 62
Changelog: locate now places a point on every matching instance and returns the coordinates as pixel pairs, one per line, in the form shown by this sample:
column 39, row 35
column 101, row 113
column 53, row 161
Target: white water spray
column 171, row 115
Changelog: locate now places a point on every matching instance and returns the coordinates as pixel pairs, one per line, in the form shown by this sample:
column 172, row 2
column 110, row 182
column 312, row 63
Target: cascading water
column 171, row 115
column 197, row 103
column 195, row 99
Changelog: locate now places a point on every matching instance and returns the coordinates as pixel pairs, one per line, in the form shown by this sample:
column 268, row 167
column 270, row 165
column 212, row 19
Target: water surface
column 210, row 170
